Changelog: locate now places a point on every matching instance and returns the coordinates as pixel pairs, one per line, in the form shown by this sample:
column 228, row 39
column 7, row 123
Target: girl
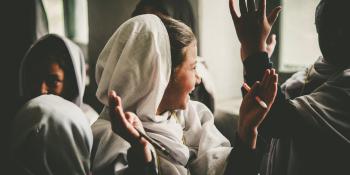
column 55, row 65
column 152, row 66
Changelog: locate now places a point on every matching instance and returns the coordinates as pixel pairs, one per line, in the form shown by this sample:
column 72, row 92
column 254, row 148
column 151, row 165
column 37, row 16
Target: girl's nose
column 44, row 89
column 198, row 79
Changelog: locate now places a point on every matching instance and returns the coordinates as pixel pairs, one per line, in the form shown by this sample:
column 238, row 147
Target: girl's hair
column 180, row 36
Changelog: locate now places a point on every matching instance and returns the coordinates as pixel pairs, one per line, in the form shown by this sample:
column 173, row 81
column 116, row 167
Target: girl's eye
column 52, row 81
column 194, row 67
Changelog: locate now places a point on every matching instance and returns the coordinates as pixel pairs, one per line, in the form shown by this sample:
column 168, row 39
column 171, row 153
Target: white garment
column 136, row 63
column 51, row 135
column 77, row 60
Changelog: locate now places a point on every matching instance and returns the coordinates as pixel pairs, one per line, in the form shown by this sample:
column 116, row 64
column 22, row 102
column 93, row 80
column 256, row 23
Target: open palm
column 251, row 113
column 253, row 26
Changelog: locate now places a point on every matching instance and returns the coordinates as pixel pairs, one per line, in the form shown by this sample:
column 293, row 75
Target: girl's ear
column 174, row 73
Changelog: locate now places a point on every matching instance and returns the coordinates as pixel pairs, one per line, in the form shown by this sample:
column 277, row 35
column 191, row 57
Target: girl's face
column 182, row 81
column 54, row 81
column 50, row 80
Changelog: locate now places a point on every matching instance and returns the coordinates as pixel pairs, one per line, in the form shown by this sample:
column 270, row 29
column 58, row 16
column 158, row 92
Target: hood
column 65, row 45
column 136, row 63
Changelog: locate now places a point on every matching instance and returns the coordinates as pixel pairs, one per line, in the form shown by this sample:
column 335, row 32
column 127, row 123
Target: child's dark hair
column 333, row 29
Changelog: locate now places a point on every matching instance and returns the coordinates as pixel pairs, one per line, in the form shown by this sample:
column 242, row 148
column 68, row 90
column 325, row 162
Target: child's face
column 183, row 80
column 54, row 81
column 49, row 81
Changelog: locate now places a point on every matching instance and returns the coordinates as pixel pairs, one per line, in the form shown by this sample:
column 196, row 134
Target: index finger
column 262, row 9
column 233, row 11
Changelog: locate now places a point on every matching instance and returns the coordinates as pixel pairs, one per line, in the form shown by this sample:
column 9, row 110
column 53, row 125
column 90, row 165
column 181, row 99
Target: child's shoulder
column 199, row 106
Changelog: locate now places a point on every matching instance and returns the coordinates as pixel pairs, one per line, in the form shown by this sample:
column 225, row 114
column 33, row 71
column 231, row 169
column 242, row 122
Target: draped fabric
column 51, row 135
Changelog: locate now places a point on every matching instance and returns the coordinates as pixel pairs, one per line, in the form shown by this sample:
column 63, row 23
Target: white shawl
column 136, row 63
column 51, row 135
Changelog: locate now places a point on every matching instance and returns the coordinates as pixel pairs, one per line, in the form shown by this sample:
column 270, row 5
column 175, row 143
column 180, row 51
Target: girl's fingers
column 273, row 15
column 251, row 6
column 233, row 11
column 273, row 83
column 112, row 99
column 243, row 7
column 253, row 91
column 265, row 79
column 263, row 8
column 266, row 74
column 121, row 116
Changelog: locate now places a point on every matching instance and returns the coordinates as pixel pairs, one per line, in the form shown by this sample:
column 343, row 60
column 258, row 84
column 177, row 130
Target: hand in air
column 251, row 112
column 124, row 124
column 253, row 26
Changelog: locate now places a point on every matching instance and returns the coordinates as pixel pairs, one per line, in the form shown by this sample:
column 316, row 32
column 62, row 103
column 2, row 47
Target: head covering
column 71, row 49
column 51, row 135
column 136, row 63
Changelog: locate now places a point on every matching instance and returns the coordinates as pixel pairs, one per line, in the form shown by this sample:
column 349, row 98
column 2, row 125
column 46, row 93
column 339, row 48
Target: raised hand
column 253, row 26
column 251, row 113
column 124, row 124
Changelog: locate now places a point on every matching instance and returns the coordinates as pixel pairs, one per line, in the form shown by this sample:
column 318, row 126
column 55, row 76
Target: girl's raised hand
column 124, row 124
column 251, row 112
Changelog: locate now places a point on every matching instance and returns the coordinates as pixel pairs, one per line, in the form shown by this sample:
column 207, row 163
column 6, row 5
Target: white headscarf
column 74, row 53
column 51, row 135
column 136, row 63
column 76, row 60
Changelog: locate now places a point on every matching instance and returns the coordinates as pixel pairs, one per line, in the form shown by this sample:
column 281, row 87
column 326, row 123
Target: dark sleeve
column 282, row 119
column 137, row 165
column 255, row 66
column 242, row 160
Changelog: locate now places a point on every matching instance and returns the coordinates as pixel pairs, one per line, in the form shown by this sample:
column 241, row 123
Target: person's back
column 320, row 143
column 309, row 127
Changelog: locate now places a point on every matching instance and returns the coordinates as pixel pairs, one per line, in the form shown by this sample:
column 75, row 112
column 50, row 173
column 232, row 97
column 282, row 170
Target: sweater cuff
column 138, row 165
column 255, row 66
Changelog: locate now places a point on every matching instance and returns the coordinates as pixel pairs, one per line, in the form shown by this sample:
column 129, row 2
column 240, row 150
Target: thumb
column 253, row 91
column 271, row 40
column 271, row 44
column 112, row 98
column 273, row 15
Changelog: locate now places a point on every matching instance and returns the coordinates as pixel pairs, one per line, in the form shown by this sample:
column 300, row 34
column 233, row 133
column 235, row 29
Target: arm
column 244, row 158
column 283, row 117
column 140, row 157
column 253, row 28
